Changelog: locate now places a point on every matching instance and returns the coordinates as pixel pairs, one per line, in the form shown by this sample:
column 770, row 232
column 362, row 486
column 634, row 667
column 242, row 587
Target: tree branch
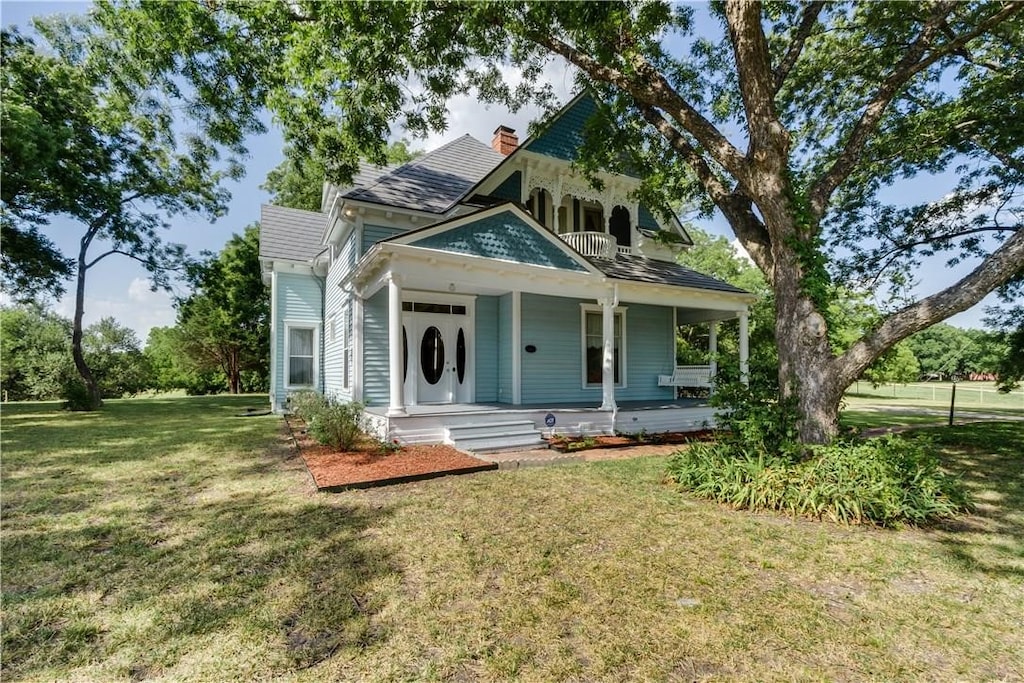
column 114, row 251
column 1000, row 266
column 654, row 89
column 736, row 207
column 915, row 59
column 807, row 21
column 768, row 140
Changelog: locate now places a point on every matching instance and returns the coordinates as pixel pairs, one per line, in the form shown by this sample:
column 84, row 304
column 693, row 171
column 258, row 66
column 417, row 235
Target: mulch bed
column 572, row 444
column 368, row 466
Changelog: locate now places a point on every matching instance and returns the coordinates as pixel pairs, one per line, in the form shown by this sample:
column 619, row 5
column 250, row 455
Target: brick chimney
column 505, row 140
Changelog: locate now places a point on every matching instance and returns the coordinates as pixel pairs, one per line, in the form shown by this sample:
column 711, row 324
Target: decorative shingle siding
column 563, row 137
column 487, row 354
column 503, row 236
column 375, row 233
column 298, row 300
column 510, row 188
column 376, row 387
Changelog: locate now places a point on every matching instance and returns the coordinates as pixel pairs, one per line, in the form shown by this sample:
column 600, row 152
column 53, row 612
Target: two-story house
column 483, row 295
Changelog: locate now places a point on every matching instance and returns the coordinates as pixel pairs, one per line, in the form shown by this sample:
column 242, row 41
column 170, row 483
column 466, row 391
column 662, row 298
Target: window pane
column 300, row 371
column 300, row 342
column 594, row 325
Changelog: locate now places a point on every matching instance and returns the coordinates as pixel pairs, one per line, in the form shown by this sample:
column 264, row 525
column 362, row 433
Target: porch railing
column 596, row 244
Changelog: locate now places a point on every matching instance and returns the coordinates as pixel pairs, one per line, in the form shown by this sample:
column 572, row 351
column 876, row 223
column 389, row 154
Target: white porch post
column 713, row 350
column 744, row 350
column 608, row 364
column 396, row 404
column 517, row 351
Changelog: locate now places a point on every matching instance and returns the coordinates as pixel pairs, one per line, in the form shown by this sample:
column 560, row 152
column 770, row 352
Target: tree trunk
column 234, row 375
column 95, row 401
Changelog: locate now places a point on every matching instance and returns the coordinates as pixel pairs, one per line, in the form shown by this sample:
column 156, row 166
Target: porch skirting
column 431, row 423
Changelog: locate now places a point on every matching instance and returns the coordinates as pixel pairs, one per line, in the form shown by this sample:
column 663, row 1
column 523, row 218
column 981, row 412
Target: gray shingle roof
column 640, row 269
column 435, row 181
column 290, row 234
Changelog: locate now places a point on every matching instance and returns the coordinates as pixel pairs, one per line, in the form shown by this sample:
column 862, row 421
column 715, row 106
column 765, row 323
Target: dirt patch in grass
column 369, row 465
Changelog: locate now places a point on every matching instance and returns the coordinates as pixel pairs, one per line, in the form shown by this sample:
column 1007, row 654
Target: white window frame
column 346, row 346
column 289, row 325
column 619, row 311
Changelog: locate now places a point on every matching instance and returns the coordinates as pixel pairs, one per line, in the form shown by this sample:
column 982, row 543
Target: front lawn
column 169, row 539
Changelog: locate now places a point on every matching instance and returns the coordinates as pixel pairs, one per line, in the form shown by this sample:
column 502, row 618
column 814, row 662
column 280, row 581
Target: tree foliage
column 224, row 325
column 35, row 346
column 119, row 169
column 791, row 119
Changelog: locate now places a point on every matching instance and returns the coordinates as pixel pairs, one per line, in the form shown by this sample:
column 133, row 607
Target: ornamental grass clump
column 887, row 481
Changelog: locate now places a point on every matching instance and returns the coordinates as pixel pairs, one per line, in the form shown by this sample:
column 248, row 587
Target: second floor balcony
column 595, row 244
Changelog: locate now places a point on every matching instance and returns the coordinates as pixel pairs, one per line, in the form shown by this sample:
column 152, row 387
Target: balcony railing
column 596, row 244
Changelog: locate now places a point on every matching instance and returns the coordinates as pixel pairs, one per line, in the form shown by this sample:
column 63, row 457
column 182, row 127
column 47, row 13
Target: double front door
column 436, row 353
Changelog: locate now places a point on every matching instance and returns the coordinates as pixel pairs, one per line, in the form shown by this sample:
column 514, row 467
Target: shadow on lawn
column 989, row 459
column 138, row 549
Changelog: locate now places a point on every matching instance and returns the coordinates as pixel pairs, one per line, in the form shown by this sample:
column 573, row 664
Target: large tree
column 225, row 323
column 119, row 171
column 789, row 118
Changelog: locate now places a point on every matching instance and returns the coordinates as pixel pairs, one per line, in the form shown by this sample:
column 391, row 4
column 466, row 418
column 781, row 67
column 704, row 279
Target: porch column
column 396, row 404
column 517, row 351
column 713, row 350
column 608, row 364
column 744, row 350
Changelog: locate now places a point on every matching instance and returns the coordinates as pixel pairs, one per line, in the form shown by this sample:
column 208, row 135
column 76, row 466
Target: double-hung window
column 300, row 369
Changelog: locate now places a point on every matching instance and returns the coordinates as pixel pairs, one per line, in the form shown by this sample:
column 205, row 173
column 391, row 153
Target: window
column 593, row 346
column 593, row 220
column 301, row 356
column 346, row 347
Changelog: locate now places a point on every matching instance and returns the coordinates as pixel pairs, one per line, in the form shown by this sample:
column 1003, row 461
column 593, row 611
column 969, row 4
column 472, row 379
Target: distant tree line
column 221, row 341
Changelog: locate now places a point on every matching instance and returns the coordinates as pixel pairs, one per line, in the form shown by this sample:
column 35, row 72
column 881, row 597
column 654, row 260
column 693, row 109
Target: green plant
column 389, row 447
column 75, row 394
column 306, row 403
column 886, row 481
column 336, row 423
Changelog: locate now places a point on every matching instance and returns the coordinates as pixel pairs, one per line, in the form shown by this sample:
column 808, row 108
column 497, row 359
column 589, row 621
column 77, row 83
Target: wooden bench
column 688, row 376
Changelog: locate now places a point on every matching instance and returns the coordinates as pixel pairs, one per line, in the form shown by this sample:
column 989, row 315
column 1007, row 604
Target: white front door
column 438, row 352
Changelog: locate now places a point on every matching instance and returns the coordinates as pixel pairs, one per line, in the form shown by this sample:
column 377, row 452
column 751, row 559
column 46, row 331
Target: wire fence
column 941, row 392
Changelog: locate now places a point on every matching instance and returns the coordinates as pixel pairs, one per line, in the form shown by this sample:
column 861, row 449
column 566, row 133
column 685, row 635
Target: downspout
column 321, row 282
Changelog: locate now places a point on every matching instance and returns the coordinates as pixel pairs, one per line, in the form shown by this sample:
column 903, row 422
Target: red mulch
column 367, row 466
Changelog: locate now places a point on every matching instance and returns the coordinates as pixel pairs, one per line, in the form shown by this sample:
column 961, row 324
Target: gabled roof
column 640, row 269
column 562, row 136
column 505, row 233
column 290, row 234
column 433, row 182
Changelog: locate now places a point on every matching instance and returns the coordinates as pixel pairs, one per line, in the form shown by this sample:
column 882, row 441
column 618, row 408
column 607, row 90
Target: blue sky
column 118, row 286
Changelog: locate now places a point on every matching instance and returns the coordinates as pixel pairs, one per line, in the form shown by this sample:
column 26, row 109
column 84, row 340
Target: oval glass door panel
column 405, row 354
column 460, row 355
column 432, row 355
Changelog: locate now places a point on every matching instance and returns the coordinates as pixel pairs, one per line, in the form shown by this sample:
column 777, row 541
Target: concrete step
column 419, row 436
column 495, row 436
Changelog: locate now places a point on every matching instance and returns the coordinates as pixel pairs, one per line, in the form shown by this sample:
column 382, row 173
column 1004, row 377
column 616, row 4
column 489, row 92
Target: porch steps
column 495, row 436
column 419, row 436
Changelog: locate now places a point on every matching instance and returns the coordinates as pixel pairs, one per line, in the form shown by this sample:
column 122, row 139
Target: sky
column 119, row 287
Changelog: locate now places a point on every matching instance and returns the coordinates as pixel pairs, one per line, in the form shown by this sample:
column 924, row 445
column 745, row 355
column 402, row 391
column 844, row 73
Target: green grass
column 168, row 539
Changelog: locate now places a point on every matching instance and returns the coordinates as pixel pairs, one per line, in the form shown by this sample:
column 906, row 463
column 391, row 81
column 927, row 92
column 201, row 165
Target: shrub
column 337, row 424
column 886, row 481
column 75, row 394
column 306, row 403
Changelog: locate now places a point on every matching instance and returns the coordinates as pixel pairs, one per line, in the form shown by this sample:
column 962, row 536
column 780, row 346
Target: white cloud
column 740, row 251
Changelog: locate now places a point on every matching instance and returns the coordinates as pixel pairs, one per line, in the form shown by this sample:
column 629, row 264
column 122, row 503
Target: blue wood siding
column 376, row 383
column 375, row 233
column 505, row 348
column 337, row 322
column 298, row 300
column 554, row 373
column 487, row 341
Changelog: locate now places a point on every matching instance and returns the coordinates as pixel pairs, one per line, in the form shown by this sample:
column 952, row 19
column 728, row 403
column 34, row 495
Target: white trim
column 357, row 348
column 517, row 338
column 314, row 326
column 273, row 340
column 594, row 308
column 396, row 404
column 744, row 347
